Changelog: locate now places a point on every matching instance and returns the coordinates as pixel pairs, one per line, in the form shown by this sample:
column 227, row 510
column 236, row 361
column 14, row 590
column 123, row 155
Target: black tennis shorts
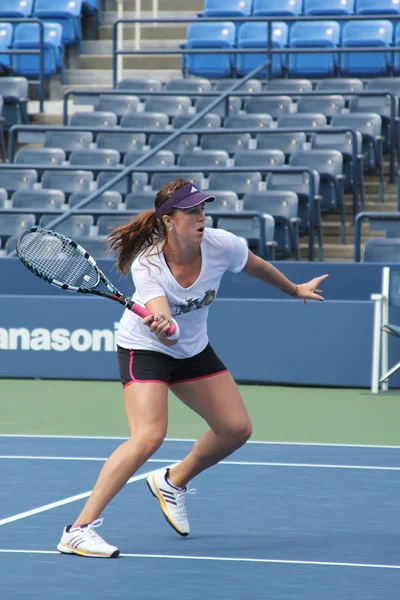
column 148, row 366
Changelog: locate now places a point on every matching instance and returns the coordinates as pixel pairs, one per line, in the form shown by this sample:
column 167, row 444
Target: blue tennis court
column 277, row 521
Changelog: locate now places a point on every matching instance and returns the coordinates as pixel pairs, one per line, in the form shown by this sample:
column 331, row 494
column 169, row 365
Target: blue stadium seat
column 185, row 86
column 251, row 85
column 16, row 9
column 263, row 121
column 40, row 156
column 110, row 200
column 332, row 7
column 119, row 105
column 182, row 143
column 131, row 183
column 289, row 86
column 93, row 119
column 11, row 244
column 259, row 159
column 378, row 7
column 283, row 207
column 231, row 143
column 36, row 199
column 340, row 85
column 384, row 250
column 95, row 245
column 14, row 91
column 227, row 8
column 209, row 121
column 224, row 200
column 240, row 183
column 373, row 34
column 222, row 110
column 329, row 165
column 107, row 223
column 162, row 158
column 219, row 35
column 121, row 141
column 204, row 158
column 287, row 8
column 305, row 120
column 159, row 179
column 140, row 85
column 391, row 84
column 249, row 229
column 270, row 105
column 143, row 120
column 68, row 140
column 15, row 224
column 381, row 105
column 286, row 142
column 17, row 179
column 370, row 127
column 3, row 196
column 255, row 35
column 73, row 226
column 140, row 200
column 67, row 181
column 324, row 34
column 170, row 105
column 325, row 105
column 397, row 54
column 95, row 157
column 27, row 37
column 6, row 36
column 65, row 12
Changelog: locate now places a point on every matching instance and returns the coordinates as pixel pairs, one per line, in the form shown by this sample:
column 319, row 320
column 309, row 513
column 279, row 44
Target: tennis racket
column 62, row 262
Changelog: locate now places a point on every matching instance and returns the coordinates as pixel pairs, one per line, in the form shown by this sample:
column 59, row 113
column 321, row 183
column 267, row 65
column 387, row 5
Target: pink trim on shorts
column 198, row 378
column 131, row 375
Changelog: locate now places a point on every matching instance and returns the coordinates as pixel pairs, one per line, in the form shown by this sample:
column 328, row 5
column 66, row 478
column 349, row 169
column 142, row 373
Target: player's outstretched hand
column 310, row 290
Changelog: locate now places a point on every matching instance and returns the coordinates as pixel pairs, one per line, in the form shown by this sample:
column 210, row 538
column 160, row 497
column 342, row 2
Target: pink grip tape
column 143, row 312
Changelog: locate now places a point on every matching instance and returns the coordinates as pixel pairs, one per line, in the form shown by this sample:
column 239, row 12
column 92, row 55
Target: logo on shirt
column 193, row 303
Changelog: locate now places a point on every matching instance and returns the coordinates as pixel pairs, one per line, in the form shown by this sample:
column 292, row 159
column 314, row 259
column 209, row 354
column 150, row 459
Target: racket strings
column 56, row 258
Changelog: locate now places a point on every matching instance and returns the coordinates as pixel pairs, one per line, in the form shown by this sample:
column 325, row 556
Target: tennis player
column 176, row 265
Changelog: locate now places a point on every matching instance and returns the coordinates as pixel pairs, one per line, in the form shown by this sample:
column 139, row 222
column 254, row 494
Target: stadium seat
column 333, row 7
column 378, row 7
column 14, row 91
column 95, row 245
column 204, row 159
column 239, row 182
column 110, row 200
column 266, row 8
column 210, row 36
column 382, row 250
column 73, row 226
column 396, row 59
column 182, row 143
column 68, row 140
column 251, row 85
column 145, row 120
column 95, row 157
column 270, row 105
column 231, row 143
column 106, row 224
column 140, row 85
column 159, row 179
column 329, row 165
column 27, row 37
column 381, row 105
column 325, row 105
column 17, row 179
column 344, row 84
column 252, row 121
column 283, row 207
column 3, row 196
column 126, row 185
column 65, row 12
column 140, row 200
column 324, row 34
column 68, row 181
column 374, row 34
column 186, row 86
column 370, row 127
column 40, row 156
column 259, row 158
column 289, row 86
column 209, row 121
column 93, row 119
column 14, row 225
column 121, row 141
column 170, row 105
column 224, row 200
column 226, row 8
column 222, row 110
column 6, row 35
column 162, row 158
column 16, row 9
column 255, row 35
column 306, row 120
column 249, row 229
column 119, row 105
column 35, row 199
column 286, row 142
column 391, row 84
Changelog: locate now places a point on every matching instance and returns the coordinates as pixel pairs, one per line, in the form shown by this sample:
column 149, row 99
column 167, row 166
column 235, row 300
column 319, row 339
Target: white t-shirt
column 220, row 251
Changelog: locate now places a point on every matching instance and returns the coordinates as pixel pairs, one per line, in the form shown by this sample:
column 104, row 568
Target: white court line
column 46, row 507
column 227, row 559
column 95, row 437
column 241, row 463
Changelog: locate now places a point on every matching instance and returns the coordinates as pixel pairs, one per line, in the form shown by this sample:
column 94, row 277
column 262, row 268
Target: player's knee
column 150, row 439
column 240, row 431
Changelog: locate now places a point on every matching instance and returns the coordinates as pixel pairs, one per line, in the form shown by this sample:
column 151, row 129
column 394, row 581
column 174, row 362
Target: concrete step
column 110, row 16
column 331, row 251
column 92, row 79
column 165, row 31
column 106, row 47
column 143, row 62
column 164, row 5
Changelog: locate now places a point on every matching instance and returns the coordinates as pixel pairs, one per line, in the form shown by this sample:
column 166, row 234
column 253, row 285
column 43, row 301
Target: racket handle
column 143, row 312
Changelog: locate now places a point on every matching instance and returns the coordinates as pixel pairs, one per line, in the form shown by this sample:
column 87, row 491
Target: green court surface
column 343, row 416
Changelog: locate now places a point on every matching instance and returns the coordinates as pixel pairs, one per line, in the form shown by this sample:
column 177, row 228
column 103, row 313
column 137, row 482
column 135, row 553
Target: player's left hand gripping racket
column 62, row 262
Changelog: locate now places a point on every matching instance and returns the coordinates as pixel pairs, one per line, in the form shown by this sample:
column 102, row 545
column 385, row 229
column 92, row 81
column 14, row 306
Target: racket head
column 57, row 259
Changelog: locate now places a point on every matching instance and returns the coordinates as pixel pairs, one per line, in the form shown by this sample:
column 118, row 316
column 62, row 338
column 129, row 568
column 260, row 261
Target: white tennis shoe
column 172, row 500
column 85, row 541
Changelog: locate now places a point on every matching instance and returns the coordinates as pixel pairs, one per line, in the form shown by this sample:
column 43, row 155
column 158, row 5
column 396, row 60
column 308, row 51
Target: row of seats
column 26, row 36
column 376, row 34
column 258, row 8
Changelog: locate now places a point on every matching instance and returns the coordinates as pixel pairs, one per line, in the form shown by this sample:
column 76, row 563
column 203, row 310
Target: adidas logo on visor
column 193, row 190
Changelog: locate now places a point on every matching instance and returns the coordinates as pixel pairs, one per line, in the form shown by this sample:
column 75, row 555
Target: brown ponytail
column 143, row 231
